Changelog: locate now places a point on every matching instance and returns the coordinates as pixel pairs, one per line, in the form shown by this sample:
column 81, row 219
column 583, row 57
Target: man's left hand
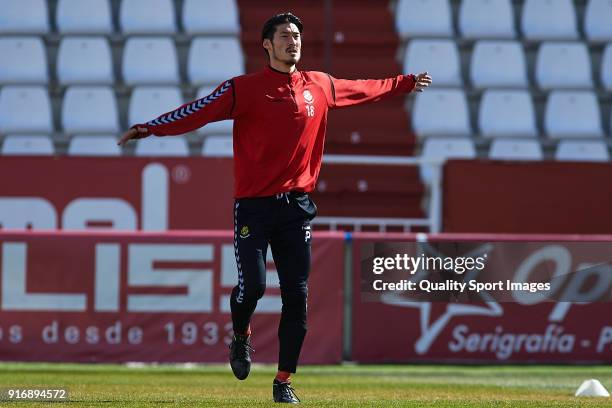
column 423, row 80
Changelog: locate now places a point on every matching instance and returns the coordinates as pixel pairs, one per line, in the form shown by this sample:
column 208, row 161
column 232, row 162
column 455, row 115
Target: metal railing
column 434, row 211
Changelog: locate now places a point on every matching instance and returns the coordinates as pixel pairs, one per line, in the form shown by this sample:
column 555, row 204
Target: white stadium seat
column 23, row 60
column 27, row 145
column 606, row 68
column 90, row 109
column 572, row 114
column 498, row 64
column 25, row 109
column 147, row 17
column 444, row 148
column 441, row 112
column 94, row 145
column 218, row 146
column 218, row 17
column 24, row 16
column 213, row 60
column 549, row 20
column 486, row 19
column 147, row 103
column 563, row 65
column 170, row 146
column 221, row 127
column 598, row 20
column 512, row 149
column 84, row 17
column 507, row 113
column 150, row 60
column 438, row 57
column 84, row 60
column 582, row 150
column 424, row 18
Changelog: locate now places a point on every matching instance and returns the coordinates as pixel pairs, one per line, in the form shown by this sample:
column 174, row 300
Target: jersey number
column 310, row 110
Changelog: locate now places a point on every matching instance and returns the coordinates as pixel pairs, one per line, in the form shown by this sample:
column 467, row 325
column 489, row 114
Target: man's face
column 286, row 46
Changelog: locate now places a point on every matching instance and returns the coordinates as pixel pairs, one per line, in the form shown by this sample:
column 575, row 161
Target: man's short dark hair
column 269, row 27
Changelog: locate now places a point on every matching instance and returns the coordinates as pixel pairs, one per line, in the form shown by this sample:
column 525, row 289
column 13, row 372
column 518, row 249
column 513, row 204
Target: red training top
column 279, row 123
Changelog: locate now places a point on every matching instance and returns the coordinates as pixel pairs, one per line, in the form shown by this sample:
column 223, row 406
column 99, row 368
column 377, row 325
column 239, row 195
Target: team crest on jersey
column 244, row 232
column 308, row 96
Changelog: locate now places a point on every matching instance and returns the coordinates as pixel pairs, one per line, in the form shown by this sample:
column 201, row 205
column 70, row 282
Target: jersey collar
column 285, row 76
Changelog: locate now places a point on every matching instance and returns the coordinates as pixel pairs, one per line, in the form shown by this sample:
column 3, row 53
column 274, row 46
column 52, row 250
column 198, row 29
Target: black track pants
column 283, row 221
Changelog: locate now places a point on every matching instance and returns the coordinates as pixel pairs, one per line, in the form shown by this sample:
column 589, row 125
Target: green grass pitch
column 318, row 386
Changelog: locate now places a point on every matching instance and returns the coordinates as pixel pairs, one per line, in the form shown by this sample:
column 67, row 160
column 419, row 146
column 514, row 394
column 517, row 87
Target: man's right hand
column 134, row 133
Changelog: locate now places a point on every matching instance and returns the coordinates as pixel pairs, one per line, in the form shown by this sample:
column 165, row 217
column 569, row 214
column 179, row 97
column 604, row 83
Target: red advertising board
column 525, row 197
column 398, row 328
column 121, row 193
column 116, row 297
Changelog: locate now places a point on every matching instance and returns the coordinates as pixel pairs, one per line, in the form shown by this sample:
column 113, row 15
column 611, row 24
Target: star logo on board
column 432, row 327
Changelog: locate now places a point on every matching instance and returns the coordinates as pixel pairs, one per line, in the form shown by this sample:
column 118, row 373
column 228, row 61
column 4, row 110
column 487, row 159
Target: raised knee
column 255, row 292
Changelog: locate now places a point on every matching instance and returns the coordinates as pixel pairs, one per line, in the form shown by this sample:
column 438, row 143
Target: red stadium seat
column 378, row 129
column 369, row 191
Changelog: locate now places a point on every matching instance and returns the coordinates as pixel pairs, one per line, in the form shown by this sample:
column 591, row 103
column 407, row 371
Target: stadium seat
column 507, row 113
column 444, row 148
column 441, row 112
column 213, row 60
column 84, row 17
column 606, row 68
column 147, row 103
column 25, row 109
column 425, row 18
column 512, row 149
column 598, row 20
column 563, row 65
column 486, row 19
column 498, row 64
column 572, row 114
column 24, row 16
column 218, row 146
column 438, row 57
column 84, row 60
column 147, row 17
column 27, row 145
column 94, row 145
column 221, row 17
column 90, row 109
column 371, row 129
column 23, row 61
column 221, row 127
column 373, row 190
column 549, row 20
column 582, row 150
column 150, row 60
column 171, row 146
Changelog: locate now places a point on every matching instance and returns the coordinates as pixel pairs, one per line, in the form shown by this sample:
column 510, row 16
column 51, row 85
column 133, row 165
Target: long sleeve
column 347, row 92
column 219, row 105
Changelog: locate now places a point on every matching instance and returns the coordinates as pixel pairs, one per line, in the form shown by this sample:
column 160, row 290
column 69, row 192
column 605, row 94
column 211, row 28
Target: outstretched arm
column 355, row 92
column 190, row 116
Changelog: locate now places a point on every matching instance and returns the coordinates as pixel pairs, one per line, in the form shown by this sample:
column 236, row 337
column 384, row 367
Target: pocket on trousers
column 306, row 204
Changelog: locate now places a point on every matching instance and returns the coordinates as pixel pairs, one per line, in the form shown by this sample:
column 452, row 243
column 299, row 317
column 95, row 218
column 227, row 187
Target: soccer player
column 280, row 115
